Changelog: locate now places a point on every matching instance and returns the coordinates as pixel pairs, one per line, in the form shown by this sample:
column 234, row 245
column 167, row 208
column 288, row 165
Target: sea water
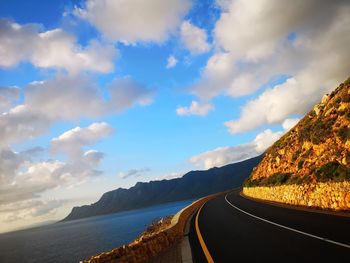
column 80, row 239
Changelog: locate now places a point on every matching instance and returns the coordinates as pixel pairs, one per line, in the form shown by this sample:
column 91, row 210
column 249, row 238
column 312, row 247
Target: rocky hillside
column 317, row 149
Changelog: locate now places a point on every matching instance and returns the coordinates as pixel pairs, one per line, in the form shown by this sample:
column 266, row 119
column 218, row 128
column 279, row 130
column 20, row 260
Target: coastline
column 152, row 245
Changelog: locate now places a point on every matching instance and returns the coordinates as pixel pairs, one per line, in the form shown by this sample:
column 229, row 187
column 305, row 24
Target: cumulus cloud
column 83, row 98
column 80, row 96
column 308, row 43
column 46, row 206
column 126, row 92
column 73, row 141
column 78, row 169
column 23, row 179
column 225, row 155
column 51, row 49
column 195, row 109
column 134, row 21
column 194, row 38
column 10, row 163
column 21, row 123
column 81, row 164
column 269, row 25
column 172, row 61
column 215, row 77
column 67, row 98
column 133, row 173
column 93, row 157
column 266, row 138
column 46, row 102
column 287, row 124
column 277, row 103
column 7, row 96
column 271, row 107
column 29, row 209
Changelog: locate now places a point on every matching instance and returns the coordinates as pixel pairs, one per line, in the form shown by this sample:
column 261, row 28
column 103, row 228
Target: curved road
column 233, row 229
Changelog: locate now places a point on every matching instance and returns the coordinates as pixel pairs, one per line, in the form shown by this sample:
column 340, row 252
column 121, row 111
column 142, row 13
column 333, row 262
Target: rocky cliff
column 317, row 149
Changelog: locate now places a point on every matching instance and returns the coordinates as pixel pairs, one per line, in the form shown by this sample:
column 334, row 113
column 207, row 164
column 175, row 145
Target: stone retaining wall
column 146, row 248
column 330, row 195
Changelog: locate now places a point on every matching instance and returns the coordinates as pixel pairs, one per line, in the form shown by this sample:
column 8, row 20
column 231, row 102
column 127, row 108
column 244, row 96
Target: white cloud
column 78, row 92
column 277, row 103
column 257, row 41
column 10, row 162
column 73, row 141
column 80, row 96
column 133, row 173
column 271, row 106
column 215, row 77
column 125, row 93
column 46, row 102
column 21, row 123
column 194, row 38
column 254, row 30
column 287, row 124
column 24, row 179
column 172, row 61
column 29, row 209
column 225, row 155
column 51, row 49
column 31, row 213
column 67, row 98
column 78, row 169
column 7, row 96
column 93, row 157
column 265, row 139
column 223, row 4
column 46, row 206
column 29, row 179
column 134, row 21
column 195, row 109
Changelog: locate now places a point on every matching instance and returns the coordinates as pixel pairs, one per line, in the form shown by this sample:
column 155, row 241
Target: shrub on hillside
column 273, row 180
column 344, row 133
column 333, row 171
column 300, row 164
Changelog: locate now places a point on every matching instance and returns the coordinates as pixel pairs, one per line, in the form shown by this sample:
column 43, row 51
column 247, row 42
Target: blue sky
column 97, row 95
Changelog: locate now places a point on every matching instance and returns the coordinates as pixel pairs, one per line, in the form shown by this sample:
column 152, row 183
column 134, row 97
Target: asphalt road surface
column 236, row 229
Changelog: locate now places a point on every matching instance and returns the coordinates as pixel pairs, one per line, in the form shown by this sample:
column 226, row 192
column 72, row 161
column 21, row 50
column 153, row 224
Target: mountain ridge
column 193, row 184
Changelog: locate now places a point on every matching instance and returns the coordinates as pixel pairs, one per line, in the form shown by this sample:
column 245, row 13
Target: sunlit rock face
column 317, row 148
column 310, row 165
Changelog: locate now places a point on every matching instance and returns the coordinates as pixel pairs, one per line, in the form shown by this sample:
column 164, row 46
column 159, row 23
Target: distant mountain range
column 192, row 185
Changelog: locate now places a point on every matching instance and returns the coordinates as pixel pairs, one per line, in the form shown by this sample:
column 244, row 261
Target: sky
column 100, row 94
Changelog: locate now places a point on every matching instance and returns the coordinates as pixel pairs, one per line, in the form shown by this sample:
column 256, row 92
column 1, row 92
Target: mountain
column 316, row 150
column 192, row 185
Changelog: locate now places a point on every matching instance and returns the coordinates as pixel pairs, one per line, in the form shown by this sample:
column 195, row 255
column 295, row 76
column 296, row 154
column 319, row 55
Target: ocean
column 80, row 239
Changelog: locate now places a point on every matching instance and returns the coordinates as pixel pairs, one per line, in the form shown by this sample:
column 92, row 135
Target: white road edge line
column 286, row 227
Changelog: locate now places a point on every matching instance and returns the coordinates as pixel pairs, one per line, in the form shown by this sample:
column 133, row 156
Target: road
column 233, row 229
